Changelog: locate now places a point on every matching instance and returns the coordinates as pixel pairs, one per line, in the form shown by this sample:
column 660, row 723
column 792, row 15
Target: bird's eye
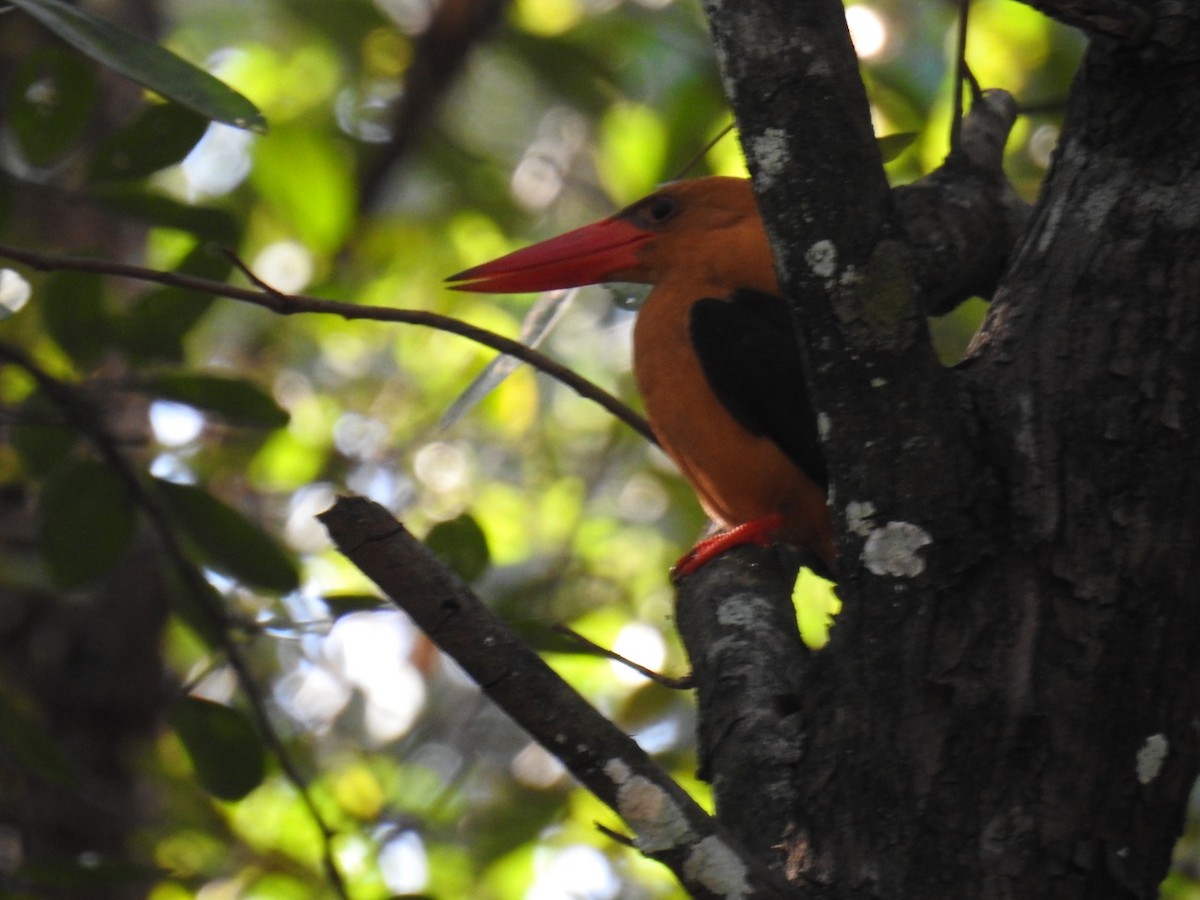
column 660, row 209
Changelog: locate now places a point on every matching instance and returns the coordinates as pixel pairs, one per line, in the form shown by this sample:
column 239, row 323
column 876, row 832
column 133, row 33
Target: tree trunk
column 1008, row 705
column 1087, row 380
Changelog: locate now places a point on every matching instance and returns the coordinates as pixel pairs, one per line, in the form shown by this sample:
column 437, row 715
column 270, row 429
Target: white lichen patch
column 878, row 382
column 656, row 819
column 770, row 149
column 824, row 425
column 618, row 770
column 659, row 822
column 892, row 550
column 1151, row 756
column 822, row 258
column 716, row 867
column 860, row 517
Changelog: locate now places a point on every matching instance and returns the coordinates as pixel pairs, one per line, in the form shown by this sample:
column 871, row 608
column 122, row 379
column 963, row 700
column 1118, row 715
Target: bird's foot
column 762, row 531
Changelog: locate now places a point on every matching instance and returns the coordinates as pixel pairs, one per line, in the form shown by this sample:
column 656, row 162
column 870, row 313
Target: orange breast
column 738, row 476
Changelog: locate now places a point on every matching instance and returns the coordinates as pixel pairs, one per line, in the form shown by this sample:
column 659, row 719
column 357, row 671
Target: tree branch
column 961, row 221
column 291, row 304
column 441, row 50
column 738, row 623
column 668, row 824
column 1118, row 19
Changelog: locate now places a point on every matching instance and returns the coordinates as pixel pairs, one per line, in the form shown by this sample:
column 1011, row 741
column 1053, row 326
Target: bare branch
column 737, row 621
column 669, row 826
column 676, row 684
column 440, row 52
column 961, row 221
column 290, row 304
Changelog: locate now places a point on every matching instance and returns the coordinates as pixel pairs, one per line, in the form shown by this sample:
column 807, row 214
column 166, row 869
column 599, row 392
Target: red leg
column 757, row 531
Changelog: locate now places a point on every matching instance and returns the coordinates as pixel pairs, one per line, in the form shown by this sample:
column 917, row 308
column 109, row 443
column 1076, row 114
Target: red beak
column 587, row 255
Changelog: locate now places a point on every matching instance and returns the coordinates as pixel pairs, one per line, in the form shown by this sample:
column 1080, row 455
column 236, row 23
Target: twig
column 291, row 304
column 685, row 682
column 81, row 414
column 700, row 154
column 624, row 839
column 669, row 826
column 963, row 78
column 962, row 75
column 238, row 263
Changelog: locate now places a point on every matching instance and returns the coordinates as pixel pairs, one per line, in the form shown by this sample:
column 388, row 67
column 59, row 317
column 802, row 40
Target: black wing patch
column 748, row 352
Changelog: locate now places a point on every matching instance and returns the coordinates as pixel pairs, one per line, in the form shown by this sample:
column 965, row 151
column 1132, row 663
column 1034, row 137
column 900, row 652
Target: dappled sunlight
column 301, row 529
column 578, row 872
column 868, row 31
column 218, row 163
column 175, row 424
column 287, row 266
column 641, row 644
column 15, row 291
column 364, row 655
column 312, row 695
column 539, row 178
column 364, row 111
column 404, row 863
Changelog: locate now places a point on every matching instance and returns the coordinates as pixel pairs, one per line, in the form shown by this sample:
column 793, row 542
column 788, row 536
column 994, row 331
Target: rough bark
column 1006, row 705
column 737, row 621
column 1087, row 376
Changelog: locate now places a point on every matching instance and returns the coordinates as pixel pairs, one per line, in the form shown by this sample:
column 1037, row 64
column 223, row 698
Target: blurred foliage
column 239, row 424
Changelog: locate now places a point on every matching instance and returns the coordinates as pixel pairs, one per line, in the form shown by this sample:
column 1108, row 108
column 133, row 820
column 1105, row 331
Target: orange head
column 705, row 232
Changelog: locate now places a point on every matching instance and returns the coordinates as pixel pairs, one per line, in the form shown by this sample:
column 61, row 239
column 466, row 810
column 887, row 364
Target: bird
column 716, row 356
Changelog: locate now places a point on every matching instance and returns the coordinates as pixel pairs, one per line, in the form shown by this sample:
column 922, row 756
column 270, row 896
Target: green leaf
column 305, row 176
column 71, row 305
column 88, row 877
column 25, row 740
column 197, row 603
column 85, row 522
column 155, row 327
column 236, row 401
column 160, row 136
column 228, row 541
column 52, row 98
column 40, row 435
column 462, row 545
column 146, row 63
column 892, row 145
column 205, row 222
column 224, row 746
